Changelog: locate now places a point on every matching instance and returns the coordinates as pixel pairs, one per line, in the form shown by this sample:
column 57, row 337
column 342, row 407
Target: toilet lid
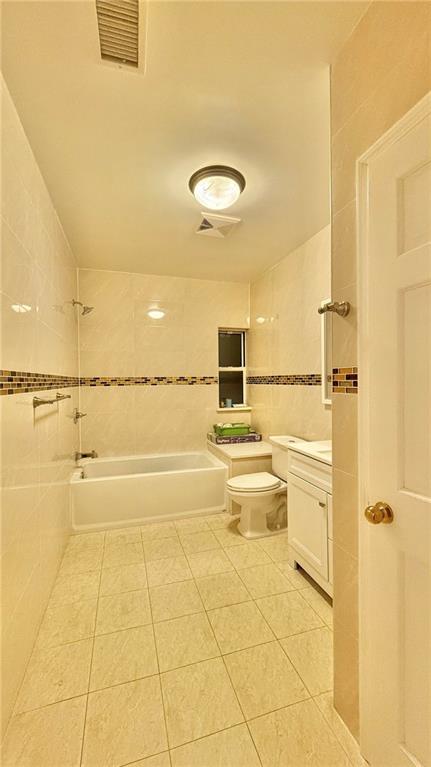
column 253, row 483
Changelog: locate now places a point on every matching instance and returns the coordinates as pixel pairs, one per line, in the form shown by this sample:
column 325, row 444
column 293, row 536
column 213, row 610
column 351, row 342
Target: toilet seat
column 260, row 482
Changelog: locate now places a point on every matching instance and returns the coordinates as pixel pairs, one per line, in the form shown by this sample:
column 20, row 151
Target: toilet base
column 251, row 535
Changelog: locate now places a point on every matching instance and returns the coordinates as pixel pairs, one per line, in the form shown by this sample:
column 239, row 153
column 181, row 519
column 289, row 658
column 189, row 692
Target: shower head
column 85, row 309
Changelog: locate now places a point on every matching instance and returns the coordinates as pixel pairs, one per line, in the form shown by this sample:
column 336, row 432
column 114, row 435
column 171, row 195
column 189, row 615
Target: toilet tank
column 280, row 446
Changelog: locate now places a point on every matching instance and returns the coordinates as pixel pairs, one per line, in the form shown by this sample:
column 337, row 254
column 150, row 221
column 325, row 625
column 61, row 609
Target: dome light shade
column 156, row 314
column 217, row 186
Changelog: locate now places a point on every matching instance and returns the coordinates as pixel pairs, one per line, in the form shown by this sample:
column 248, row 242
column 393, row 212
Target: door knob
column 380, row 512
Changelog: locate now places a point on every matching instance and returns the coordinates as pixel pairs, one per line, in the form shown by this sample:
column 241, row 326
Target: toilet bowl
column 263, row 500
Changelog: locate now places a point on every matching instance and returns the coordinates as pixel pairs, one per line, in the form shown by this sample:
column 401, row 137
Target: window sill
column 244, row 409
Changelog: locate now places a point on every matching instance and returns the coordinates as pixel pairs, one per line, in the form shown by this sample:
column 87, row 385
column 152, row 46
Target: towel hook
column 339, row 307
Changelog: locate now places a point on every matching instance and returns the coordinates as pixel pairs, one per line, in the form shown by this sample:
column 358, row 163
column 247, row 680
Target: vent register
column 118, row 22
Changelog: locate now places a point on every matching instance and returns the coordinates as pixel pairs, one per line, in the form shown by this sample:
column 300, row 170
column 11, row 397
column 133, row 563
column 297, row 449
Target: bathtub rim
column 76, row 474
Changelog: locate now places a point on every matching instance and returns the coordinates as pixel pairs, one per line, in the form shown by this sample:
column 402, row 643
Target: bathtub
column 136, row 489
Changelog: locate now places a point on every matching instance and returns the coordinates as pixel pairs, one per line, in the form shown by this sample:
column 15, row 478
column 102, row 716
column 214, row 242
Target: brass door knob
column 380, row 512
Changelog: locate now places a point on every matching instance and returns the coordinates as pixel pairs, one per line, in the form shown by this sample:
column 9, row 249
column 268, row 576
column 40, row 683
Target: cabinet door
column 308, row 523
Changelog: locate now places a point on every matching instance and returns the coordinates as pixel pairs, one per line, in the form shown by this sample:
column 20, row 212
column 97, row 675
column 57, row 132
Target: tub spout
column 92, row 454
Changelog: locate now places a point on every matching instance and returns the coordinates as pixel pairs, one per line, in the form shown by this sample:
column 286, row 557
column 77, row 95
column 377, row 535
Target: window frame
column 233, row 368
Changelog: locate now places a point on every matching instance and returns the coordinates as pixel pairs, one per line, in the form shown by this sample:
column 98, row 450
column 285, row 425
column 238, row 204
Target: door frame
column 417, row 113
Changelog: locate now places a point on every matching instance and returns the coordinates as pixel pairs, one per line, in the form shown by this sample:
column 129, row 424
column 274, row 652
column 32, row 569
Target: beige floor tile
column 56, row 674
column 175, row 600
column 86, row 541
column 160, row 760
column 123, row 611
column 239, row 626
column 116, row 580
column 185, row 640
column 263, row 680
column 124, row 723
column 160, row 530
column 163, row 571
column 297, row 577
column 123, row 535
column 320, row 604
column 222, row 590
column 276, row 547
column 75, row 588
column 218, row 521
column 202, row 541
column 297, row 736
column 229, row 535
column 199, row 700
column 342, row 733
column 288, row 614
column 123, row 657
column 247, row 556
column 81, row 561
column 229, row 748
column 118, row 554
column 192, row 525
column 209, row 563
column 67, row 623
column 162, row 548
column 49, row 736
column 265, row 580
column 312, row 655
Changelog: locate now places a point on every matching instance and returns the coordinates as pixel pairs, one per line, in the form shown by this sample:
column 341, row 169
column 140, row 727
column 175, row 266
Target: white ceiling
column 238, row 83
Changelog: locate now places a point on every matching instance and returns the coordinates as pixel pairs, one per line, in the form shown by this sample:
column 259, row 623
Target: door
column 395, row 465
column 308, row 523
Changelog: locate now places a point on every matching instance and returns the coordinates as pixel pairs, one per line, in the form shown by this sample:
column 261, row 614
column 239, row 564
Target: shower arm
column 339, row 307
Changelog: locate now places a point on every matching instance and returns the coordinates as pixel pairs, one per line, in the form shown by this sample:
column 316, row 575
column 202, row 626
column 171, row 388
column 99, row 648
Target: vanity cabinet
column 309, row 510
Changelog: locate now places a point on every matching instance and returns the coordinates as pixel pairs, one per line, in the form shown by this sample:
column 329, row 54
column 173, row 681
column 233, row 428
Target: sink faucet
column 78, row 456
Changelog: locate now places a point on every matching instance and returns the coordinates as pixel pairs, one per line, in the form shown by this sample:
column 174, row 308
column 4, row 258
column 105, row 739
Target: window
column 232, row 372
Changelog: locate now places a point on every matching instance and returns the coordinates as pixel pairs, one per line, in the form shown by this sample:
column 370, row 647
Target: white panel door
column 395, row 343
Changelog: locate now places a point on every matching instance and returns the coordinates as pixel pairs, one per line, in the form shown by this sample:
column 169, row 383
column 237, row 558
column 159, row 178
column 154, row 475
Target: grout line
column 91, row 660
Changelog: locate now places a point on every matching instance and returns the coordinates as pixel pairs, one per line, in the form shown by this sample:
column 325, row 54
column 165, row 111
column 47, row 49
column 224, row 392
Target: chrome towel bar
column 38, row 401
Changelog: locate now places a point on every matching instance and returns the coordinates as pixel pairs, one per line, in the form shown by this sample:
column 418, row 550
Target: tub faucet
column 78, row 456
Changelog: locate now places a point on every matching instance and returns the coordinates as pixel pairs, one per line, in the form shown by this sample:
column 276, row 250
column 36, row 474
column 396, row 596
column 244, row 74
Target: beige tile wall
column 284, row 338
column 39, row 276
column 119, row 339
column 381, row 72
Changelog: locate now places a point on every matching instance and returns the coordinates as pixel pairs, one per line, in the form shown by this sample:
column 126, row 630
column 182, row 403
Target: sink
column 321, row 450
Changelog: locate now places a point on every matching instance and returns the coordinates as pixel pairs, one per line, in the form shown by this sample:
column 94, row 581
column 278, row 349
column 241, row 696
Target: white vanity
column 309, row 510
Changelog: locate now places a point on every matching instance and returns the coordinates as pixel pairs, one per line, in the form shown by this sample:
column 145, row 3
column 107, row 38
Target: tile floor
column 180, row 645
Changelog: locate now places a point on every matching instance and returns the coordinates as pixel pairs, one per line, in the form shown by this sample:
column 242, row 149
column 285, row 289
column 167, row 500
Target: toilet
column 262, row 496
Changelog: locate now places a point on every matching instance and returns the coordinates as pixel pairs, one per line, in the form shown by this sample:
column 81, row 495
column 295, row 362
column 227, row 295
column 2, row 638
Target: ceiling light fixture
column 217, row 186
column 156, row 314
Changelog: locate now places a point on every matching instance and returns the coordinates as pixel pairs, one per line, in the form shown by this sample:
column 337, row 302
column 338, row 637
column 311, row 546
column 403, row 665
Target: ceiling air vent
column 118, row 22
column 213, row 225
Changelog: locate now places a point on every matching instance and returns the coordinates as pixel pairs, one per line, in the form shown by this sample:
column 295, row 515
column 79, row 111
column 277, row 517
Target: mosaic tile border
column 300, row 379
column 345, row 380
column 149, row 381
column 20, row 382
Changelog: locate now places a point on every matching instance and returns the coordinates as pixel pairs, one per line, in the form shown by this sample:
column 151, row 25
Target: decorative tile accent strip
column 149, row 381
column 300, row 379
column 16, row 382
column 345, row 380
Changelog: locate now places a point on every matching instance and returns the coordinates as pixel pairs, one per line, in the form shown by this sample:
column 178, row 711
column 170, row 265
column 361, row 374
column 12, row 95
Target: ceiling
column 235, row 83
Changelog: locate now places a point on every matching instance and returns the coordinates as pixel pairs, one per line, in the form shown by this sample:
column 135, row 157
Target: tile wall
column 39, row 335
column 381, row 72
column 284, row 342
column 119, row 339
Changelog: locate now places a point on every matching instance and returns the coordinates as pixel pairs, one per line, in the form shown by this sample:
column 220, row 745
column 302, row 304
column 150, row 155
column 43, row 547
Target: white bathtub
column 135, row 489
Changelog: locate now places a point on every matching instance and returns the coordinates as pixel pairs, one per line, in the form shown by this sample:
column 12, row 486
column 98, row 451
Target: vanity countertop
column 320, row 451
column 244, row 449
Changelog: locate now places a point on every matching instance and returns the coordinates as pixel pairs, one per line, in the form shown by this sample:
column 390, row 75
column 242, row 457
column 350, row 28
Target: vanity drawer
column 310, row 470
